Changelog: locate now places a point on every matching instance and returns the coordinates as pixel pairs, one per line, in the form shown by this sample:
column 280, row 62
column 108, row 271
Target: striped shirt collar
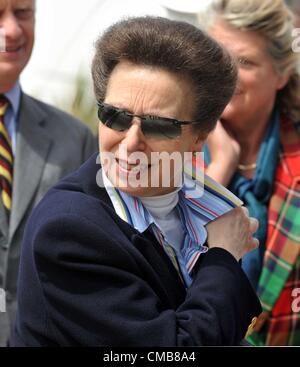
column 201, row 200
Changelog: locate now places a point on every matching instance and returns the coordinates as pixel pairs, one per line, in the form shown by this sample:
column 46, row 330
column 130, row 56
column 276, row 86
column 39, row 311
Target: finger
column 254, row 224
column 254, row 243
column 245, row 210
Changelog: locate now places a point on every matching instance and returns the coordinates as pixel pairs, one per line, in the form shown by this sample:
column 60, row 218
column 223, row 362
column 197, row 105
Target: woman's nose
column 134, row 138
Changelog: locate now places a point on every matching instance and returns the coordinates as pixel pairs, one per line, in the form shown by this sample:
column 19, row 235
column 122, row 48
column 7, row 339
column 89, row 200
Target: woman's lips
column 127, row 168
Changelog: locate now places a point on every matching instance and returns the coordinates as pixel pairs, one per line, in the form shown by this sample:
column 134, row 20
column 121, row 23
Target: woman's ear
column 282, row 81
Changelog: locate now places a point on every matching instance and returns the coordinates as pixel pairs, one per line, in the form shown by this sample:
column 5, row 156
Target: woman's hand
column 233, row 232
column 225, row 154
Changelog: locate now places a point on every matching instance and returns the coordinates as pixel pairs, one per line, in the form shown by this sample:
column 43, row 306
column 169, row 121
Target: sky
column 65, row 34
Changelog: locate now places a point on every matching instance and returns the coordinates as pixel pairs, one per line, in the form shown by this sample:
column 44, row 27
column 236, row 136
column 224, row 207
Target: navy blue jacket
column 88, row 278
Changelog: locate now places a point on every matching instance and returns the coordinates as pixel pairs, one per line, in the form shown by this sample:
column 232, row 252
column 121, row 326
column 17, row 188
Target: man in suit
column 41, row 144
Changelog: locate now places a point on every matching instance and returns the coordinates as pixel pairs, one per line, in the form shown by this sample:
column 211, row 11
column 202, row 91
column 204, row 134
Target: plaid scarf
column 280, row 276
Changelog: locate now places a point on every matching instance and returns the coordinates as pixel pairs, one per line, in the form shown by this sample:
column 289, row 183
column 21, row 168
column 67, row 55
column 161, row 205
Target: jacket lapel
column 168, row 284
column 3, row 223
column 163, row 275
column 32, row 147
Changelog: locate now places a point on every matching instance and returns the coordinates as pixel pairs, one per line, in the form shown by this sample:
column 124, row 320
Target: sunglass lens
column 160, row 129
column 113, row 118
column 120, row 122
column 105, row 113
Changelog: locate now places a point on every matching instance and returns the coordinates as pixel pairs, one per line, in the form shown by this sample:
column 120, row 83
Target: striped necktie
column 6, row 159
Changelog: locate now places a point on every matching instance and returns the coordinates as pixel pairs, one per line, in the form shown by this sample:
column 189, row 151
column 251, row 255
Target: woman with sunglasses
column 137, row 251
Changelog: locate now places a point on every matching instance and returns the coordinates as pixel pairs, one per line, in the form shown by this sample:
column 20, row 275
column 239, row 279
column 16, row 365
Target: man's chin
column 9, row 74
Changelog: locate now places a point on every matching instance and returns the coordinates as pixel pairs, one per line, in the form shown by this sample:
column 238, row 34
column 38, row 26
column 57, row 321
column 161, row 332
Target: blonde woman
column 255, row 151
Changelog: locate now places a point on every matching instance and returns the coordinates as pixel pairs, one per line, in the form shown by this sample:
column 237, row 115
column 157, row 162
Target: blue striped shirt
column 11, row 115
column 206, row 203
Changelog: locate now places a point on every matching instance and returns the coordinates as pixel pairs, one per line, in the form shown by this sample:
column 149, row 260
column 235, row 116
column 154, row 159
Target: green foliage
column 81, row 103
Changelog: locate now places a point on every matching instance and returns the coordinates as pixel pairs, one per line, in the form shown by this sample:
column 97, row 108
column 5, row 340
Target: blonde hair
column 272, row 20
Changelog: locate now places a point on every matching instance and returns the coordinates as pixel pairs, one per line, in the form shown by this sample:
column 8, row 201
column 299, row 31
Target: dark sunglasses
column 152, row 126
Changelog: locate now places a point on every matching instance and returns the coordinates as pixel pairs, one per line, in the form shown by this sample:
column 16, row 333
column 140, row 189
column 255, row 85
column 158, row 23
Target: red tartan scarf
column 279, row 324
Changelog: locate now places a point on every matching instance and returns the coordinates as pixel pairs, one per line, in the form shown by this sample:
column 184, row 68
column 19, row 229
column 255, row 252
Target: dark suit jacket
column 49, row 145
column 88, row 278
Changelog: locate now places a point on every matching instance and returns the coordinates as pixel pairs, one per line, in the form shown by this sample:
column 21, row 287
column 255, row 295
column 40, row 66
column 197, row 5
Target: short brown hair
column 174, row 46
